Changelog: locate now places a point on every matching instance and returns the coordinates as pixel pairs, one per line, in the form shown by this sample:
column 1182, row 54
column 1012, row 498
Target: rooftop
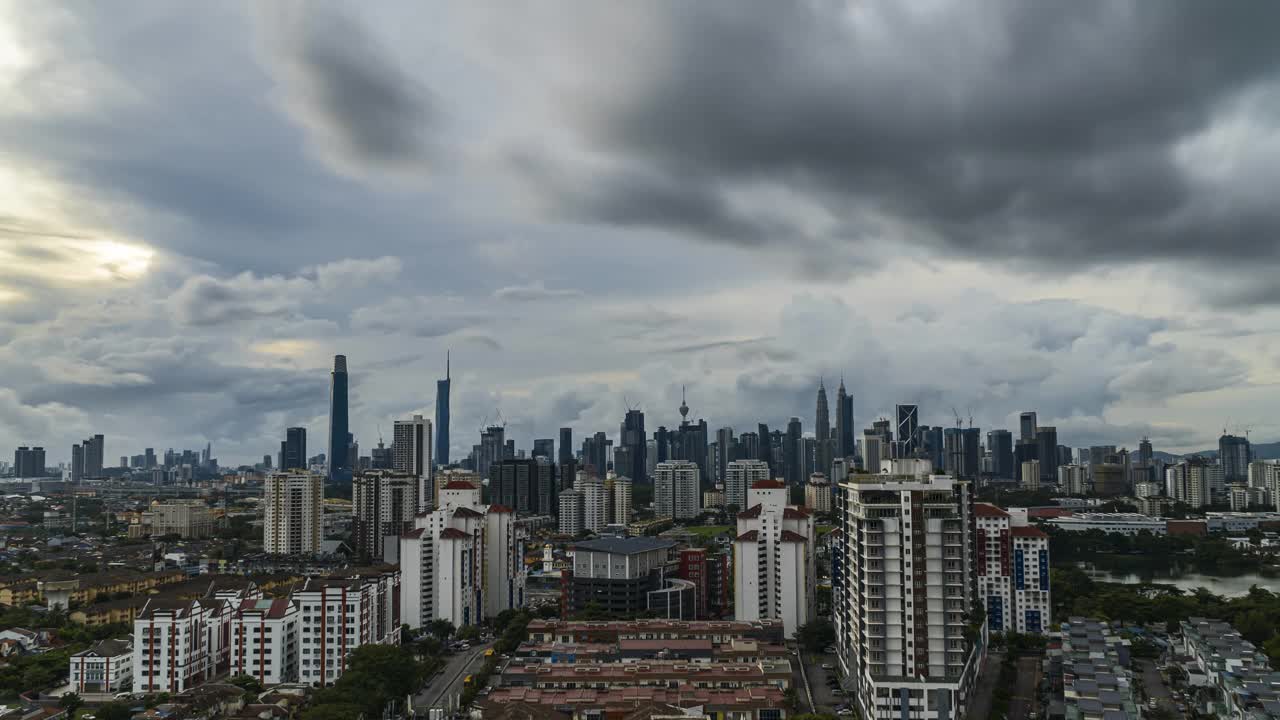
column 624, row 546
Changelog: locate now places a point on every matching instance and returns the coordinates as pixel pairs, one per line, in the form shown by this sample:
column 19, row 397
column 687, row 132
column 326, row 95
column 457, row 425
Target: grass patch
column 824, row 529
column 708, row 531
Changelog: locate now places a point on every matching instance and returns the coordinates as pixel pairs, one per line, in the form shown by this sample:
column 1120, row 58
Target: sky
column 988, row 207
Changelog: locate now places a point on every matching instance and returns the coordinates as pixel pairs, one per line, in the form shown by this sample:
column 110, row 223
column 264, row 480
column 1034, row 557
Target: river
column 1225, row 585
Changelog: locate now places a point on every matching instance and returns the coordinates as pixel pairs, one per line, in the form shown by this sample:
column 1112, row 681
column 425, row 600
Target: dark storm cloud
column 352, row 91
column 1044, row 133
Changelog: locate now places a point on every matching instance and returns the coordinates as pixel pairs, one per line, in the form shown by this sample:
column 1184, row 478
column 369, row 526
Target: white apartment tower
column 179, row 644
column 740, row 475
column 294, row 513
column 904, row 592
column 340, row 614
column 1013, row 571
column 596, row 499
column 411, row 454
column 774, row 567
column 817, row 494
column 571, row 503
column 621, row 501
column 462, row 562
column 383, row 503
column 676, row 490
column 1073, row 479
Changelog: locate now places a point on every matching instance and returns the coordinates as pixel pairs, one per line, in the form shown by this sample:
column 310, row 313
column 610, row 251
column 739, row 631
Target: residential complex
column 677, row 492
column 1236, row 676
column 741, row 475
column 339, row 614
column 906, row 587
column 292, row 503
column 1097, row 682
column 106, row 667
column 775, row 566
column 384, row 503
column 1013, row 571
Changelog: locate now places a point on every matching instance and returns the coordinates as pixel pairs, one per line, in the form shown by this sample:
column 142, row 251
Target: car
column 828, row 666
column 837, row 692
column 1153, row 703
column 843, row 712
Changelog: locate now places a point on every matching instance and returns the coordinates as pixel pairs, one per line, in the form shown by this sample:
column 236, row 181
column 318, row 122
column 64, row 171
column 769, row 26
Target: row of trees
column 1210, row 554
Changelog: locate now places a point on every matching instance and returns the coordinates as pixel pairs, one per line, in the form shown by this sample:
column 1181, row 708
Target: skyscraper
column 292, row 521
column 595, row 453
column 775, row 545
column 822, row 431
column 92, row 454
column 908, row 417
column 566, row 446
column 1027, row 426
column 676, row 490
column 383, row 505
column 766, row 445
column 411, row 455
column 492, row 448
column 339, row 432
column 724, row 439
column 633, row 438
column 442, row 414
column 1047, row 453
column 77, row 463
column 793, row 453
column 846, row 445
column 28, row 462
column 293, row 450
column 544, row 447
column 1234, row 455
column 1000, row 445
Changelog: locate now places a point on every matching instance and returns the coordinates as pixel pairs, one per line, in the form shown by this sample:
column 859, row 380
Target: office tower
column 633, row 437
column 293, row 451
column 28, row 462
column 846, row 445
column 739, row 477
column 492, row 448
column 1024, row 450
column 953, row 448
column 442, row 414
column 872, row 451
column 1234, row 454
column 1098, row 454
column 1030, row 478
column 293, row 503
column 544, row 447
column 94, row 451
column 793, row 453
column 1000, row 445
column 595, row 454
column 1047, row 453
column 725, row 443
column 908, row 424
column 1064, row 455
column 411, row 454
column 901, row 617
column 748, row 446
column 766, row 445
column 690, row 444
column 1013, row 571
column 775, row 568
column 509, row 449
column 150, row 455
column 933, row 446
column 1146, row 455
column 77, row 464
column 1109, row 478
column 461, row 562
column 566, row 446
column 662, row 445
column 1027, row 426
column 971, row 441
column 571, row 510
column 677, row 490
column 339, row 432
column 808, row 457
column 650, row 458
column 383, row 503
column 526, row 486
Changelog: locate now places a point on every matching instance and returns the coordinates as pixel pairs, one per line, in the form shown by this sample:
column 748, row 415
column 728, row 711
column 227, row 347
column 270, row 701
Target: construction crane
column 959, row 422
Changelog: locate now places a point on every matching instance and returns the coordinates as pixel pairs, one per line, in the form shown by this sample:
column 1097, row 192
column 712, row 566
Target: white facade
column 1073, row 479
column 1196, row 482
column 293, row 503
column 181, row 644
column 904, row 593
column 1030, row 475
column 264, row 640
column 411, row 454
column 571, row 502
column 676, row 490
column 1122, row 523
column 774, row 568
column 107, row 667
column 1013, row 571
column 621, row 505
column 462, row 562
column 817, row 494
column 596, row 500
column 740, row 475
column 340, row 614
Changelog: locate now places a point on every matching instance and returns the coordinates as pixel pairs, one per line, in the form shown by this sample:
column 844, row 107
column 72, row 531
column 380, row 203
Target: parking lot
column 823, row 671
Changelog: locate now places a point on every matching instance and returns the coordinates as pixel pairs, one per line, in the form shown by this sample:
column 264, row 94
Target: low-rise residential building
column 264, row 640
column 106, row 667
column 757, row 703
column 340, row 614
column 179, row 644
column 1239, row 522
column 1097, row 683
column 1121, row 523
column 1238, row 676
column 1013, row 571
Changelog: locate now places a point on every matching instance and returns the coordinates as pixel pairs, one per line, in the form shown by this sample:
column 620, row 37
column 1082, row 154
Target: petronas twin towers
column 837, row 444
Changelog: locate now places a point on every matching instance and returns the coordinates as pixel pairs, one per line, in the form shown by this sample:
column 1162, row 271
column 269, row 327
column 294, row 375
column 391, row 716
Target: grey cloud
column 534, row 292
column 421, row 316
column 350, row 92
column 715, row 345
column 987, row 131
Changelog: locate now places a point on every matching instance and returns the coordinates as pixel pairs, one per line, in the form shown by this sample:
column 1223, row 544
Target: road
column 446, row 685
column 1024, row 700
column 980, row 706
column 1155, row 687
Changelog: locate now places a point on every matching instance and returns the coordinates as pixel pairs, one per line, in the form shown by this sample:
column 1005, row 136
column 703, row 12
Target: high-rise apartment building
column 77, row 463
column 596, row 502
column 265, row 640
column 442, row 414
column 411, row 455
column 339, row 432
column 906, row 586
column 384, row 503
column 293, row 519
column 741, row 475
column 341, row 614
column 1030, row 477
column 28, row 462
column 775, row 566
column 1013, row 571
column 572, row 506
column 1194, row 481
column 462, row 561
column 817, row 494
column 724, row 452
column 525, row 486
column 620, row 500
column 1073, row 479
column 677, row 490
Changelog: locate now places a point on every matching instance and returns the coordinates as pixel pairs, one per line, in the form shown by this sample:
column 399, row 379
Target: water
column 1225, row 585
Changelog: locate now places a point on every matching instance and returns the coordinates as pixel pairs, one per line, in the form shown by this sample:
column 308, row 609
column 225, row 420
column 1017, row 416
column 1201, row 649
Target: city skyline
column 586, row 223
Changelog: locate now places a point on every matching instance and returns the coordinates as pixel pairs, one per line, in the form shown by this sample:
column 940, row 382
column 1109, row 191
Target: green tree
column 247, row 683
column 1254, row 627
column 113, row 711
column 70, row 702
column 468, row 633
column 442, row 629
column 815, row 635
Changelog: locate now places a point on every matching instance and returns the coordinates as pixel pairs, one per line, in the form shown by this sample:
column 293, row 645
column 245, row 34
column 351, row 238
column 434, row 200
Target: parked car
column 828, row 666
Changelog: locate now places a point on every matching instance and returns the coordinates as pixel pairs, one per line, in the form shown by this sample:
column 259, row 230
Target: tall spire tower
column 684, row 407
column 442, row 413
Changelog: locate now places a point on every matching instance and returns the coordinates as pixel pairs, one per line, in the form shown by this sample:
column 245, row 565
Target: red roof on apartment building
column 500, row 509
column 988, row 510
column 768, row 485
column 1027, row 531
column 453, row 534
column 749, row 536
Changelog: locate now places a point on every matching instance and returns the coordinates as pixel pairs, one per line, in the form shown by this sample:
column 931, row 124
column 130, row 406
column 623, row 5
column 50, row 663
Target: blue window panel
column 1019, row 578
column 1044, row 569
